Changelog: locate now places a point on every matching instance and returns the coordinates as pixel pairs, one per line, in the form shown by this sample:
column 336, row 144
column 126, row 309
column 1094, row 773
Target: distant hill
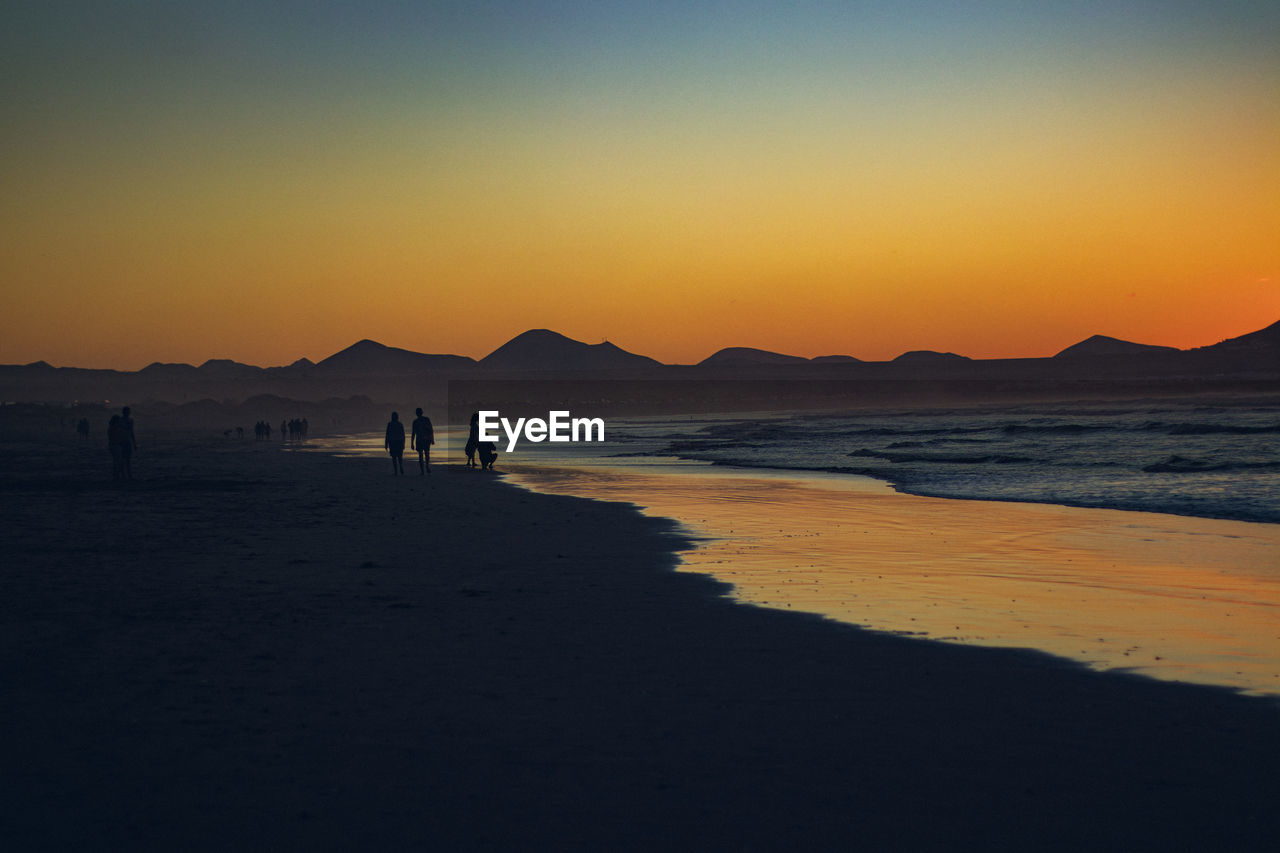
column 731, row 356
column 747, row 356
column 926, row 358
column 225, row 368
column 372, row 358
column 542, row 349
column 298, row 369
column 1101, row 345
column 1263, row 340
column 169, row 371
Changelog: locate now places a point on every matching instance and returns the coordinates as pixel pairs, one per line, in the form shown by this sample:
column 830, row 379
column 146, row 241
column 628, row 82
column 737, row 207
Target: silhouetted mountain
column 166, row 371
column 742, row 356
column 299, row 369
column 32, row 371
column 835, row 359
column 225, row 368
column 1101, row 345
column 542, row 349
column 927, row 358
column 373, row 358
column 1267, row 339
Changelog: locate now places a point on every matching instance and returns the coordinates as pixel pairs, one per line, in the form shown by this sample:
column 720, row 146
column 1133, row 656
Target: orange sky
column 805, row 188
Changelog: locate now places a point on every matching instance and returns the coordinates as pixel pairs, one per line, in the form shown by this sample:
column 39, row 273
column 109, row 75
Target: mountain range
column 369, row 367
column 542, row 349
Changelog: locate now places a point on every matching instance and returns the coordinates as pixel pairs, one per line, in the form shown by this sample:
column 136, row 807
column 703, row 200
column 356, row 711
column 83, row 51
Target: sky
column 267, row 181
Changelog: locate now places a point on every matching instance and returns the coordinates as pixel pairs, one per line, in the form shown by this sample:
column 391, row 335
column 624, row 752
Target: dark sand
column 249, row 648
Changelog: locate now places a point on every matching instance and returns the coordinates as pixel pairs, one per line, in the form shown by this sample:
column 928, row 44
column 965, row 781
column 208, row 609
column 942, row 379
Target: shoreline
column 907, row 489
column 263, row 648
column 1179, row 598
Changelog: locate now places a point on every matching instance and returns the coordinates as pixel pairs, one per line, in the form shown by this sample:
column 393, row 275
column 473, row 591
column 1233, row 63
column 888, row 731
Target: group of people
column 121, row 442
column 421, row 437
column 295, row 428
column 292, row 429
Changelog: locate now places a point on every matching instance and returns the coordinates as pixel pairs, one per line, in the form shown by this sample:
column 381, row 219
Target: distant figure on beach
column 284, row 430
column 488, row 455
column 115, row 444
column 473, row 439
column 421, row 439
column 128, row 443
column 82, row 427
column 395, row 442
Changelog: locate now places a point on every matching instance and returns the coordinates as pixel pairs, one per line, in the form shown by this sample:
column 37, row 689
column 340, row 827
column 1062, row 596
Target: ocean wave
column 1223, row 429
column 935, row 442
column 1225, row 463
column 945, row 459
column 1184, row 464
column 1208, row 429
column 1053, row 429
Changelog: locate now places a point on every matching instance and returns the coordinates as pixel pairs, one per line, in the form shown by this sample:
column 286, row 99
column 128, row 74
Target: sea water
column 1212, row 461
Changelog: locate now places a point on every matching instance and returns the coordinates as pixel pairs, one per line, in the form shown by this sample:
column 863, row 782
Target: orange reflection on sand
column 1168, row 596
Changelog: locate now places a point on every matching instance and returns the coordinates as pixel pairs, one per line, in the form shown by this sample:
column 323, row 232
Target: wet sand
column 253, row 648
column 1172, row 597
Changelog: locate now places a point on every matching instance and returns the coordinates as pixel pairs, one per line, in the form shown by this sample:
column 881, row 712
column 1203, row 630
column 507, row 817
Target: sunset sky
column 265, row 181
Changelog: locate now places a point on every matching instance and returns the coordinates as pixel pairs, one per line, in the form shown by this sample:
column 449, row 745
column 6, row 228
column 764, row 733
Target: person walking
column 421, row 438
column 395, row 443
column 473, row 439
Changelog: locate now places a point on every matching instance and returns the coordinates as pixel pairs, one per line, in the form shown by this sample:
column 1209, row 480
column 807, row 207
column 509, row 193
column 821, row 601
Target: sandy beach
column 253, row 647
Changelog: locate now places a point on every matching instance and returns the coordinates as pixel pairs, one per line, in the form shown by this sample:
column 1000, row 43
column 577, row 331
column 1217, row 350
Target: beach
column 1172, row 597
column 259, row 646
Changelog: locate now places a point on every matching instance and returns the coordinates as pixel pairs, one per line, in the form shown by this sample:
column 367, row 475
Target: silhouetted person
column 421, row 439
column 488, row 455
column 284, row 430
column 82, row 427
column 128, row 443
column 115, row 444
column 473, row 439
column 395, row 442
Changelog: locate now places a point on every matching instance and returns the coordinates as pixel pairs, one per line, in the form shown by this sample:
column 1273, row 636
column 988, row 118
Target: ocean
column 1210, row 461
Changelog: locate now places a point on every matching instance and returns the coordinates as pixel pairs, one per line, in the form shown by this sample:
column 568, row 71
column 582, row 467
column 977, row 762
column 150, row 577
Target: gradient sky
column 265, row 181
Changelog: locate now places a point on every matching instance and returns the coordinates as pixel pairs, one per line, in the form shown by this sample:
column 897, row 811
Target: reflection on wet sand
column 1168, row 596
